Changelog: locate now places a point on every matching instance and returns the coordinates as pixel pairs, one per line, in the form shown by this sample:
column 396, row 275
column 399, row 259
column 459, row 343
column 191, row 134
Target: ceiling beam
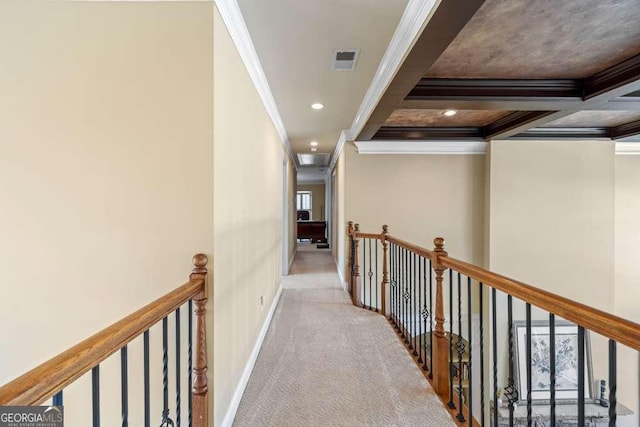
column 523, row 104
column 626, row 130
column 465, row 133
column 429, row 88
column 614, row 82
column 603, row 133
column 447, row 21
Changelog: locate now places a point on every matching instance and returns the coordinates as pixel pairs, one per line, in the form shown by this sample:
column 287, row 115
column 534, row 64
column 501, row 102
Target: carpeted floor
column 325, row 362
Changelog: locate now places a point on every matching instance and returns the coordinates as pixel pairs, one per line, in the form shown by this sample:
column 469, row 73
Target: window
column 303, row 200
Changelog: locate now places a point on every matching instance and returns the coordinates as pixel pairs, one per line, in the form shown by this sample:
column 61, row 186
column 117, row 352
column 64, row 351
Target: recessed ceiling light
column 450, row 113
column 317, row 106
column 313, row 143
column 314, row 149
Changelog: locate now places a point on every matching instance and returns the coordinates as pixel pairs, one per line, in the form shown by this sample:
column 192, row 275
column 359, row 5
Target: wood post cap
column 439, row 243
column 385, row 229
column 200, row 261
column 357, row 228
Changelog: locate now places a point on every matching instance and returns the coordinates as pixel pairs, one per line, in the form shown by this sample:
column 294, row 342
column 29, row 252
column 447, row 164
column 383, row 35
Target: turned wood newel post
column 385, row 270
column 440, row 362
column 349, row 255
column 356, row 267
column 200, row 383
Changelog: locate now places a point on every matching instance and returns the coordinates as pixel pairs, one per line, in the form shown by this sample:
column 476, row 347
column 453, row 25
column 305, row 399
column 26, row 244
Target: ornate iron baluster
column 460, row 347
column 451, row 404
column 552, row 367
column 613, row 384
column 166, row 421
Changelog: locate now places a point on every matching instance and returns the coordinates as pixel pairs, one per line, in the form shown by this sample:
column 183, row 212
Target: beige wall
column 552, row 216
column 317, row 200
column 106, row 172
column 420, row 197
column 627, row 271
column 248, row 217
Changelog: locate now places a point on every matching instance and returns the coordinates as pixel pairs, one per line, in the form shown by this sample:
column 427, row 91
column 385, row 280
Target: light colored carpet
column 325, row 362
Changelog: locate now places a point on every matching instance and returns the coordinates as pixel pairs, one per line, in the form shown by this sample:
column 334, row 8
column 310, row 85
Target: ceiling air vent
column 345, row 60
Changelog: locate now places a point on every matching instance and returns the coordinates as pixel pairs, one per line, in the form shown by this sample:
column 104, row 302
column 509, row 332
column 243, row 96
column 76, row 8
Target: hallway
column 326, row 362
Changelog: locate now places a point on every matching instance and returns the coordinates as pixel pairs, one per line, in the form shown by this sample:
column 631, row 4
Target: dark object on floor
column 322, row 246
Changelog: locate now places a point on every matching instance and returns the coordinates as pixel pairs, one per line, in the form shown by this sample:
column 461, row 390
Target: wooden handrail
column 42, row 382
column 426, row 253
column 608, row 325
column 367, row 236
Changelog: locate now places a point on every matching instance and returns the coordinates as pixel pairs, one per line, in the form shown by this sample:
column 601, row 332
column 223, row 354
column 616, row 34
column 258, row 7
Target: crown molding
column 415, row 17
column 344, row 137
column 628, row 148
column 420, row 147
column 232, row 17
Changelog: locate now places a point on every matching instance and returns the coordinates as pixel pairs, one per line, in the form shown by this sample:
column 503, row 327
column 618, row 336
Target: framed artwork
column 566, row 339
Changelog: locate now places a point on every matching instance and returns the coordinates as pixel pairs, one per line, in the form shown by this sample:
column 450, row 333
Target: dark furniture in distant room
column 312, row 230
column 304, row 216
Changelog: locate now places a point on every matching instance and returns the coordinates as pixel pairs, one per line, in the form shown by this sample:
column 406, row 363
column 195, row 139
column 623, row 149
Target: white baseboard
column 246, row 374
column 293, row 255
column 340, row 275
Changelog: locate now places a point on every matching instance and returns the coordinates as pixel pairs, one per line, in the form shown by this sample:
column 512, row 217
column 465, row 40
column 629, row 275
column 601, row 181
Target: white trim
column 341, row 276
column 232, row 17
column 246, row 374
column 421, row 147
column 415, row 17
column 344, row 137
column 627, row 148
column 293, row 255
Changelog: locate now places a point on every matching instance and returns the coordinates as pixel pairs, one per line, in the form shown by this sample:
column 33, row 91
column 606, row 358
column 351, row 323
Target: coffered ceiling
column 517, row 69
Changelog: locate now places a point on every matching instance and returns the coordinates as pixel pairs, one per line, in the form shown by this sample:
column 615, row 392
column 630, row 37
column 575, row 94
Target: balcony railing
column 497, row 351
column 46, row 382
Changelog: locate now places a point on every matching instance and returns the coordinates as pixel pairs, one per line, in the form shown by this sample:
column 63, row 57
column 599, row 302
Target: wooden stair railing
column 412, row 293
column 51, row 377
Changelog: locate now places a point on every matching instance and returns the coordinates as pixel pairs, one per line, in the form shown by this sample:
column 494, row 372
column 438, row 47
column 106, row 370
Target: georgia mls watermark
column 31, row 416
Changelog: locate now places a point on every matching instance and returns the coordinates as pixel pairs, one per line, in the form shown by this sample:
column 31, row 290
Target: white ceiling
column 295, row 39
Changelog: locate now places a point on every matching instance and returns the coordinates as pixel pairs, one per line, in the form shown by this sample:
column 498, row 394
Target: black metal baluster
column 147, row 381
column 412, row 290
column 124, row 392
column 460, row 347
column 429, row 314
column 392, row 282
column 377, row 282
column 482, row 414
column 451, row 404
column 420, row 343
column 494, row 336
column 581, row 376
column 470, row 371
column 178, row 411
column 511, row 393
column 406, row 297
column 95, row 395
column 57, row 399
column 364, row 268
column 190, row 360
column 166, row 421
column 370, row 276
column 552, row 367
column 528, row 351
column 613, row 384
column 397, row 291
column 395, row 286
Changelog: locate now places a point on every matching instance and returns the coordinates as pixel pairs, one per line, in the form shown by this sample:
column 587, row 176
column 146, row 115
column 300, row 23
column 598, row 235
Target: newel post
column 440, row 362
column 385, row 270
column 356, row 267
column 200, row 384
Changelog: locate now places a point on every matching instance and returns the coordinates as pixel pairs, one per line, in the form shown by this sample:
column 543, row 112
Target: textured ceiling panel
column 596, row 119
column 411, row 117
column 543, row 39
